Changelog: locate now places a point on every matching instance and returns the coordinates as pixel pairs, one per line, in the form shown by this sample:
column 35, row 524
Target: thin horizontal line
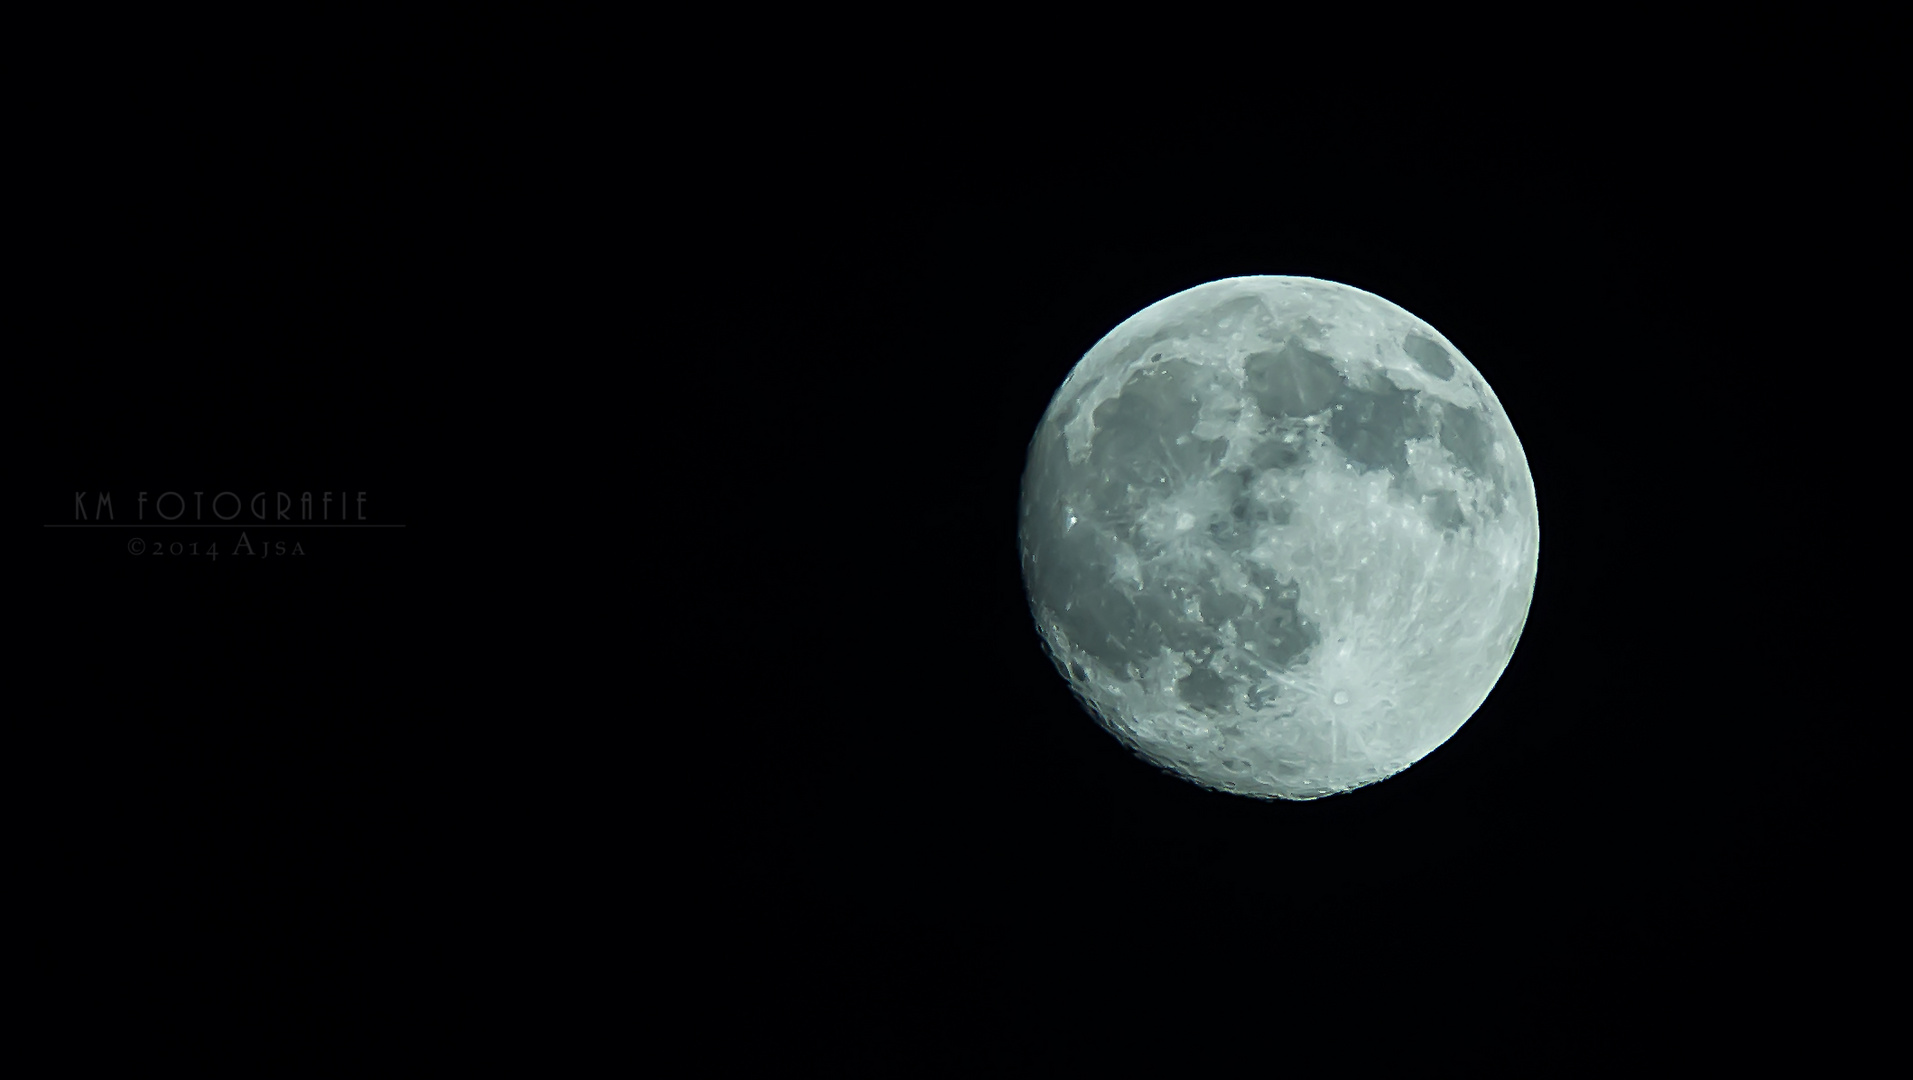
column 213, row 526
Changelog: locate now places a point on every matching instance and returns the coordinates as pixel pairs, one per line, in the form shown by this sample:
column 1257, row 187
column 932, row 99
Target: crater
column 1144, row 444
column 1274, row 453
column 1206, row 690
column 1163, row 624
column 1443, row 508
column 1278, row 630
column 1291, row 381
column 1468, row 437
column 1236, row 530
column 1373, row 427
column 1429, row 356
column 1219, row 607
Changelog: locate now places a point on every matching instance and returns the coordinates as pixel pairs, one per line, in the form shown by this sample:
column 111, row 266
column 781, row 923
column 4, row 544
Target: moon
column 1278, row 535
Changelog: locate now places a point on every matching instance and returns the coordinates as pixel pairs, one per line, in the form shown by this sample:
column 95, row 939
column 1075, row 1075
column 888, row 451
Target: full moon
column 1278, row 535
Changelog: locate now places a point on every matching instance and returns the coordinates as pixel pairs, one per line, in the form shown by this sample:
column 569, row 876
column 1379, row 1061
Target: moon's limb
column 1279, row 536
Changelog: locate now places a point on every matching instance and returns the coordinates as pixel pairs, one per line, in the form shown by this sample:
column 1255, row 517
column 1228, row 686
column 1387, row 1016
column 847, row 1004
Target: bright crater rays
column 1279, row 536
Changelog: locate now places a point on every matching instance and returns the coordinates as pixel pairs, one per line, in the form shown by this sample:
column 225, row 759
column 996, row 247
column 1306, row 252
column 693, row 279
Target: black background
column 258, row 771
column 708, row 421
column 355, row 778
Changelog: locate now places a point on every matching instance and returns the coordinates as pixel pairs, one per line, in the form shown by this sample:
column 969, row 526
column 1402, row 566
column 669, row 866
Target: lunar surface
column 1279, row 536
